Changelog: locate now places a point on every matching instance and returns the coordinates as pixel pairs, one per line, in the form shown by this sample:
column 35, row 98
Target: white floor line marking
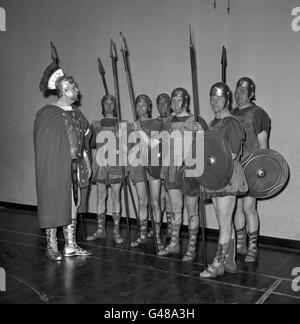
column 43, row 297
column 269, row 292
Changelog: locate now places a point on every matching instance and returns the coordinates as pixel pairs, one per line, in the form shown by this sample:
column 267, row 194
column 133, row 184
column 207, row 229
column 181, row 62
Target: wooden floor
column 114, row 275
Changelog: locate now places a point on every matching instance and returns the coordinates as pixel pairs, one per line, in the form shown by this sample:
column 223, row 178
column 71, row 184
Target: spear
column 102, row 73
column 194, row 75
column 114, row 60
column 202, row 211
column 224, row 64
column 54, row 54
column 125, row 54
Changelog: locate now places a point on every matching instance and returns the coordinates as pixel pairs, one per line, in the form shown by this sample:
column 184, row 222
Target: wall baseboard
column 212, row 234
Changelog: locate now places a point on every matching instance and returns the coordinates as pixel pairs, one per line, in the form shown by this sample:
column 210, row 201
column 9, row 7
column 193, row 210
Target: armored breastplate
column 246, row 117
column 75, row 133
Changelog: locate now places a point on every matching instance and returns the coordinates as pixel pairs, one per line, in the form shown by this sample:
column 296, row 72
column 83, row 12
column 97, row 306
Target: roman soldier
column 224, row 200
column 182, row 121
column 143, row 128
column 61, row 161
column 257, row 125
column 107, row 175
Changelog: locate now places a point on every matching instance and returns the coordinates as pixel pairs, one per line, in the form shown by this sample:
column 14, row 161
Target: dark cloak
column 53, row 168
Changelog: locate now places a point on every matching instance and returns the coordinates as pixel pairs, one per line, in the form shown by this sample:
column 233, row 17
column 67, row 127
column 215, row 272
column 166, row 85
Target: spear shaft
column 125, row 53
column 201, row 206
column 114, row 59
column 194, row 75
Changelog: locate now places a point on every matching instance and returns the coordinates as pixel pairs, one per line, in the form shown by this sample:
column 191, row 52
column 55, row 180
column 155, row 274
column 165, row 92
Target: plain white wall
column 260, row 43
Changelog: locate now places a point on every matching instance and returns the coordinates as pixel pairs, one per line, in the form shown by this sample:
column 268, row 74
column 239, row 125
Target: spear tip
column 191, row 36
column 101, row 67
column 113, row 51
column 224, row 56
column 124, row 43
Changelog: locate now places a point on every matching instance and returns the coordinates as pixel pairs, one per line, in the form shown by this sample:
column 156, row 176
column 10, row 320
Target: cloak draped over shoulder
column 53, row 168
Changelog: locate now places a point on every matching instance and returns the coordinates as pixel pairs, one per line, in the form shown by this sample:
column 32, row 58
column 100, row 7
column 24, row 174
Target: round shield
column 218, row 165
column 267, row 173
column 190, row 186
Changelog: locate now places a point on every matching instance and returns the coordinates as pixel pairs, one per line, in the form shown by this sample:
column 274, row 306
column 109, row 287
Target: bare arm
column 88, row 163
column 263, row 140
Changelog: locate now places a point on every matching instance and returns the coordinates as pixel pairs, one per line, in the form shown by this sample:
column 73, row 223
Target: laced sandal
column 229, row 262
column 191, row 253
column 252, row 256
column 217, row 268
column 100, row 234
column 214, row 270
column 116, row 231
column 174, row 246
column 169, row 226
column 143, row 237
column 242, row 242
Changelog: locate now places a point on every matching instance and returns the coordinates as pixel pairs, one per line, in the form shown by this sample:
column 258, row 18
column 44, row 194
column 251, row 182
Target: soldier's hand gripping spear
column 125, row 54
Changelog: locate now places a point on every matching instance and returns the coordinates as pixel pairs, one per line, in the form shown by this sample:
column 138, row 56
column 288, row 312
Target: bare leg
column 191, row 204
column 116, row 199
column 143, row 214
column 176, row 205
column 252, row 221
column 168, row 210
column 240, row 226
column 101, row 213
column 155, row 187
column 71, row 248
column 224, row 260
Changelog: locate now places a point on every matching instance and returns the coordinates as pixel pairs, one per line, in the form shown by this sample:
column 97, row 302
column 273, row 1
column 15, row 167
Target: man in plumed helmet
column 257, row 125
column 61, row 134
column 107, row 176
column 224, row 200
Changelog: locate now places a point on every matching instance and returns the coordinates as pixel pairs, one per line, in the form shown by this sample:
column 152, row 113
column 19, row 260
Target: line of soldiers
column 62, row 136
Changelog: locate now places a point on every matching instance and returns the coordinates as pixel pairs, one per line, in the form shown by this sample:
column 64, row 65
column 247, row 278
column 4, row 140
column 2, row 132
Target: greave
column 52, row 248
column 71, row 248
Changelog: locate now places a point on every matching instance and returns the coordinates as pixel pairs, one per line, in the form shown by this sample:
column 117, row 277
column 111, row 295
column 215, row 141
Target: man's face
column 217, row 103
column 177, row 103
column 109, row 106
column 142, row 108
column 71, row 90
column 164, row 107
column 241, row 96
